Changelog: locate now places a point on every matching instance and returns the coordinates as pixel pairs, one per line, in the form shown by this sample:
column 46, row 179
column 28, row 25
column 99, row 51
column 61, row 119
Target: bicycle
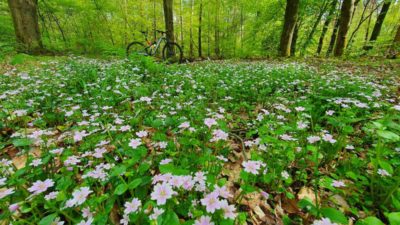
column 171, row 51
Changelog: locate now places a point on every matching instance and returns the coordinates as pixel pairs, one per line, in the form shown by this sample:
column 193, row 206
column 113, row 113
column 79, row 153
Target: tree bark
column 294, row 39
column 394, row 49
column 154, row 20
column 326, row 26
column 291, row 14
column 200, row 24
column 345, row 18
column 333, row 36
column 378, row 25
column 216, row 31
column 26, row 26
column 169, row 19
column 396, row 39
column 191, row 46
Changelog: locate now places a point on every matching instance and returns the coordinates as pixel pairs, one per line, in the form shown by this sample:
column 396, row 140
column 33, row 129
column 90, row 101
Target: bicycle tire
column 136, row 47
column 177, row 54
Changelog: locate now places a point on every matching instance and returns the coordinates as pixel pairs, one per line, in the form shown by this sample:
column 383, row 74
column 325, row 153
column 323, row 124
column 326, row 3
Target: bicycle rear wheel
column 136, row 48
column 172, row 53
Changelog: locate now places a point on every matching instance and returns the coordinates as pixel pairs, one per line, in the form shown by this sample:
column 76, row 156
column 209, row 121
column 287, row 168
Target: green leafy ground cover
column 89, row 141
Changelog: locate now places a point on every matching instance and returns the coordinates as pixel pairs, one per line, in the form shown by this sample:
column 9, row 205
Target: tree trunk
column 26, row 26
column 200, row 21
column 294, row 39
column 169, row 19
column 362, row 20
column 333, row 36
column 396, row 39
column 191, row 47
column 314, row 28
column 241, row 28
column 154, row 20
column 181, row 22
column 378, row 24
column 345, row 18
column 216, row 31
column 394, row 50
column 291, row 14
column 326, row 26
column 367, row 31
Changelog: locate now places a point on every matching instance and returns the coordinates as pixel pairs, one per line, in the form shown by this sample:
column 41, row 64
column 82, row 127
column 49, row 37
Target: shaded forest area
column 206, row 28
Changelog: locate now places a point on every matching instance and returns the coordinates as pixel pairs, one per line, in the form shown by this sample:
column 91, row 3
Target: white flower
column 156, row 212
column 209, row 122
column 134, row 143
column 285, row 175
column 324, row 221
column 132, row 206
column 313, row 139
column 79, row 197
column 338, row 184
column 383, row 172
column 142, row 134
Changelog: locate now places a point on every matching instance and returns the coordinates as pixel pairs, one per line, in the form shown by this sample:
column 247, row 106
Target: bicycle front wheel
column 136, row 48
column 172, row 53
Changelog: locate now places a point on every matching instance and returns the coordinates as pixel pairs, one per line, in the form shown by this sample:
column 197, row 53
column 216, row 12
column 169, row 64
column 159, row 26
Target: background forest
column 206, row 28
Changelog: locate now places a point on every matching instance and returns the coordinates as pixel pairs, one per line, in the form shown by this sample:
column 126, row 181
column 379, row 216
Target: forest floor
column 312, row 141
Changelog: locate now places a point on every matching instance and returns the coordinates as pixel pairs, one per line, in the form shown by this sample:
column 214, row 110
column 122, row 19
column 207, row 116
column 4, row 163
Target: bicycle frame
column 153, row 50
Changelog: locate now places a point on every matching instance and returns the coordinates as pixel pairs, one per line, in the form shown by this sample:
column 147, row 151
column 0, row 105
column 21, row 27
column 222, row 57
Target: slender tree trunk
column 169, row 19
column 396, row 39
column 314, row 28
column 333, row 36
column 181, row 22
column 294, row 39
column 216, row 31
column 200, row 24
column 367, row 31
column 241, row 28
column 154, row 20
column 394, row 50
column 45, row 28
column 26, row 25
column 362, row 20
column 354, row 9
column 326, row 25
column 99, row 9
column 378, row 25
column 209, row 34
column 291, row 14
column 345, row 18
column 191, row 47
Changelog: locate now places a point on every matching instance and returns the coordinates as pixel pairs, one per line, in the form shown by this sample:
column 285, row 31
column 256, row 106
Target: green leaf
column 118, row 170
column 169, row 218
column 143, row 168
column 386, row 166
column 334, row 215
column 22, row 142
column 169, row 168
column 48, row 219
column 121, row 189
column 388, row 135
column 370, row 221
column 394, row 218
column 135, row 183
